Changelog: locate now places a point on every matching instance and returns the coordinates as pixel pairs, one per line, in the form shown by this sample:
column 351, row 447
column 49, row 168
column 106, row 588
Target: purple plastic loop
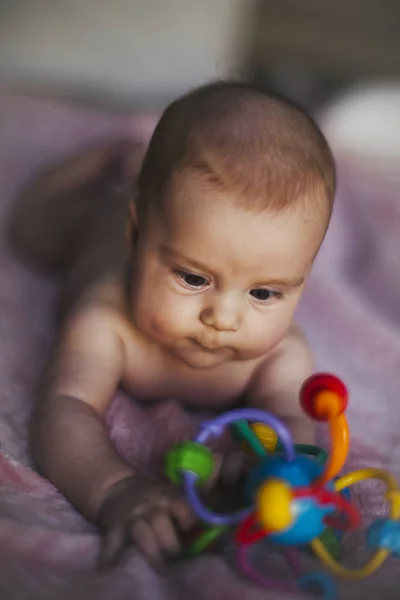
column 253, row 574
column 248, row 414
column 322, row 580
column 213, row 430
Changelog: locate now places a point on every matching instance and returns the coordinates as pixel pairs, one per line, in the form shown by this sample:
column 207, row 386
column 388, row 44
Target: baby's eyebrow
column 189, row 261
column 284, row 283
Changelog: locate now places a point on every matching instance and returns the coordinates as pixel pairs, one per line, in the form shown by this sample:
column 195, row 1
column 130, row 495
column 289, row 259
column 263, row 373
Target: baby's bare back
column 71, row 218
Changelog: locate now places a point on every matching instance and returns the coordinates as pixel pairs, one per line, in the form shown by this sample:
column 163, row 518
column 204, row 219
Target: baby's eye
column 264, row 295
column 191, row 279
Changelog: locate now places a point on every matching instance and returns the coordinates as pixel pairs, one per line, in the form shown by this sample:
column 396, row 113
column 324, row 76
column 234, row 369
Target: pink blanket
column 351, row 313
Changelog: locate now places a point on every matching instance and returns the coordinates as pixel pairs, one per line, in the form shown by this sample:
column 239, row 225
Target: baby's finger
column 147, row 543
column 182, row 513
column 165, row 532
column 112, row 547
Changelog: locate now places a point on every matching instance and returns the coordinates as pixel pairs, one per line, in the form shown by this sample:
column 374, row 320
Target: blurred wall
column 123, row 48
column 309, row 49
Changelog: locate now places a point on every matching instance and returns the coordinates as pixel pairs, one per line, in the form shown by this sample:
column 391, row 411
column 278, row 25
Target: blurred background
column 135, row 52
column 130, row 52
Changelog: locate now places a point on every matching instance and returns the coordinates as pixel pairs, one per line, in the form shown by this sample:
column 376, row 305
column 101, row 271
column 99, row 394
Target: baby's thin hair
column 240, row 138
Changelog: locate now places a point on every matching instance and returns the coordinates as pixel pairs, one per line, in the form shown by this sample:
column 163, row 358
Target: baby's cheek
column 179, row 315
column 268, row 332
column 146, row 313
column 168, row 319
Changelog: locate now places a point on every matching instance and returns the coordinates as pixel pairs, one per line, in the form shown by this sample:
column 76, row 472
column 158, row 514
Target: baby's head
column 234, row 199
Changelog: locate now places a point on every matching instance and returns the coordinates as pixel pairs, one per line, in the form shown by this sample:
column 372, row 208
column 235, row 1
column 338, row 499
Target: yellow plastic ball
column 274, row 505
column 266, row 435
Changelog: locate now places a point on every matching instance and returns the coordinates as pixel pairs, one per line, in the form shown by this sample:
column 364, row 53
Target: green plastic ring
column 318, row 453
column 192, row 457
column 205, row 539
column 242, row 430
column 331, row 542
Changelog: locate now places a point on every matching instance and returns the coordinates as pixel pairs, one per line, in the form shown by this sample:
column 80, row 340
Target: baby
column 182, row 285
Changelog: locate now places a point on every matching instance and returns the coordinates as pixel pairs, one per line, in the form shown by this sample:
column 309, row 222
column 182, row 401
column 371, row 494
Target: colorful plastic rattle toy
column 293, row 495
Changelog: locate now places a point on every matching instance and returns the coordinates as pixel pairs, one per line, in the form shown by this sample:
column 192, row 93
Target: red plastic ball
column 322, row 382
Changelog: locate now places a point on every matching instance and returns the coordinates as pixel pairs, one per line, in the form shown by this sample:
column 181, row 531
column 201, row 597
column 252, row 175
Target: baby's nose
column 223, row 313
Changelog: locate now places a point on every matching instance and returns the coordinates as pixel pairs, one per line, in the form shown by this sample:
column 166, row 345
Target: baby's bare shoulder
column 291, row 359
column 102, row 315
column 90, row 358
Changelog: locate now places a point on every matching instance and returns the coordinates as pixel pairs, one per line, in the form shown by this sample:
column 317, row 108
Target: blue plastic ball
column 385, row 533
column 308, row 514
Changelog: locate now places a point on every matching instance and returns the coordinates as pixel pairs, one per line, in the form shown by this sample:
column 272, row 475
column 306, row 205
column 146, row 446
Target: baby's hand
column 146, row 512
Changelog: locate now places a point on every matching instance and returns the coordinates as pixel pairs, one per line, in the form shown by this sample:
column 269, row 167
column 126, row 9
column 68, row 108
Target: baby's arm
column 72, row 448
column 277, row 382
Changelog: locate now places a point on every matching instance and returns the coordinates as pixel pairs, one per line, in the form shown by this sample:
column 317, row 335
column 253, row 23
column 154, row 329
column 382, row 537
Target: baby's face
column 214, row 282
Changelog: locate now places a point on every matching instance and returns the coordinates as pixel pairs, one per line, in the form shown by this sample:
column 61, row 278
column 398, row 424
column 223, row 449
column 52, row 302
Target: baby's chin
column 200, row 358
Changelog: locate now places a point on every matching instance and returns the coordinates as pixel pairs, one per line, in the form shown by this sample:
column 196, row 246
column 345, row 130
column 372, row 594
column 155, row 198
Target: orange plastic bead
column 323, row 396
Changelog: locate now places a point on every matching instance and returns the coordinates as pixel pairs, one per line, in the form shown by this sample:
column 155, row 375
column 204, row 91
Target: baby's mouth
column 209, row 346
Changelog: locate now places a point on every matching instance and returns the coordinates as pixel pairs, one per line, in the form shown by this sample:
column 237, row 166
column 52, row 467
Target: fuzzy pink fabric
column 351, row 313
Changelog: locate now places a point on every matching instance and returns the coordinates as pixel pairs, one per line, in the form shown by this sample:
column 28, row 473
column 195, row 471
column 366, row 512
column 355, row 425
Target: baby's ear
column 133, row 213
column 132, row 225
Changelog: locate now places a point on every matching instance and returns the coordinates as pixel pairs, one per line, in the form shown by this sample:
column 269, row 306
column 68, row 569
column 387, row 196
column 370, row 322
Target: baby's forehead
column 206, row 224
column 189, row 194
